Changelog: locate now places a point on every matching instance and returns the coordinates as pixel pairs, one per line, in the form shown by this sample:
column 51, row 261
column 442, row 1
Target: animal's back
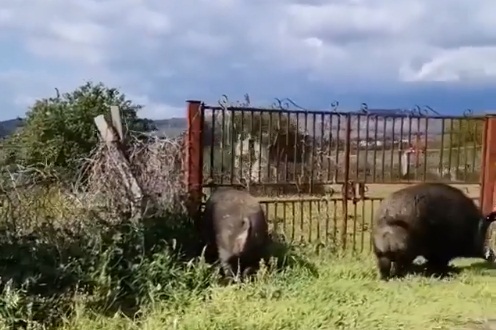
column 227, row 201
column 229, row 213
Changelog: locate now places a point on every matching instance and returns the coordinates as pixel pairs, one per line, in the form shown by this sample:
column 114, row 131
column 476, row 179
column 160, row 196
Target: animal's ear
column 491, row 217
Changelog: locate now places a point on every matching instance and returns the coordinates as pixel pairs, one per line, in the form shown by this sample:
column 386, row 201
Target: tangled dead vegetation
column 156, row 164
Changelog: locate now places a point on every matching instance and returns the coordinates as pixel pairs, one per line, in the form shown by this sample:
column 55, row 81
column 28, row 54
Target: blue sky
column 382, row 52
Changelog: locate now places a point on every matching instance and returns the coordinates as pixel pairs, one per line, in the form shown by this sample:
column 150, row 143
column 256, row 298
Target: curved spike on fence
column 277, row 104
column 468, row 113
column 364, row 108
column 286, row 104
column 247, row 100
column 334, row 106
column 430, row 109
column 223, row 102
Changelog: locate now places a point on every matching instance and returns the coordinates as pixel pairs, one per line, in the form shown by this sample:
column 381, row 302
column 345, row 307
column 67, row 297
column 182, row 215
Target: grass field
column 342, row 294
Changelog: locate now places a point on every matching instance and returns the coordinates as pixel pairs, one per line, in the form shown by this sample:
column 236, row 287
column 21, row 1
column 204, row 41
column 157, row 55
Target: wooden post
column 116, row 121
column 112, row 137
column 488, row 177
column 194, row 157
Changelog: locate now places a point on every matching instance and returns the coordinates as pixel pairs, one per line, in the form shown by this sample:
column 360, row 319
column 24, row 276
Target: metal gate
column 321, row 174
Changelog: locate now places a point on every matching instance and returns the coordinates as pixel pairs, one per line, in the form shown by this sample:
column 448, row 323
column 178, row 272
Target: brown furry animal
column 433, row 220
column 235, row 227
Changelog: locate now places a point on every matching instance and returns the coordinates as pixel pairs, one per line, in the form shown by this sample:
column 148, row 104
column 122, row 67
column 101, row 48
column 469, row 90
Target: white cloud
column 467, row 64
column 168, row 51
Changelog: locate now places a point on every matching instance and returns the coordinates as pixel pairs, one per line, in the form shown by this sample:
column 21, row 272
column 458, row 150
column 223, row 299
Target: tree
column 59, row 131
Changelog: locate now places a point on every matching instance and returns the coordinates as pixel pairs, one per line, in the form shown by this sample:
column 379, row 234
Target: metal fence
column 320, row 174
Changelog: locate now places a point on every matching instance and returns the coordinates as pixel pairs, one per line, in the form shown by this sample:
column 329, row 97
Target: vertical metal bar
column 295, row 148
column 327, row 221
column 402, row 149
column 338, row 142
column 278, row 146
column 426, row 145
column 367, row 138
column 276, row 217
column 271, row 146
column 212, row 147
column 409, row 145
column 222, row 145
column 312, row 164
column 488, row 166
column 260, row 143
column 304, row 150
column 329, row 163
column 286, row 147
column 233, row 147
column 391, row 165
column 194, row 158
column 321, row 148
column 293, row 223
column 383, row 160
column 302, row 227
column 354, row 225
column 372, row 212
column 475, row 146
column 318, row 220
column 335, row 220
column 357, row 148
column 465, row 132
column 346, row 180
column 458, row 149
column 418, row 150
column 441, row 155
column 450, row 151
column 241, row 140
column 285, row 216
column 362, row 234
column 376, row 128
column 250, row 156
column 310, row 220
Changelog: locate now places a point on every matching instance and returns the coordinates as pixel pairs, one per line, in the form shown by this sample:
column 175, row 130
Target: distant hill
column 8, row 127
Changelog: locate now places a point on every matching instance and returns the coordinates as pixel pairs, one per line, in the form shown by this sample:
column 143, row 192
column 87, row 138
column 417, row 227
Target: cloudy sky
column 160, row 53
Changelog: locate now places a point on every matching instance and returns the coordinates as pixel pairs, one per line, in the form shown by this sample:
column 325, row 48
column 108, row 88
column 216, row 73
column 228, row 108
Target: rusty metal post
column 488, row 177
column 194, row 157
column 347, row 184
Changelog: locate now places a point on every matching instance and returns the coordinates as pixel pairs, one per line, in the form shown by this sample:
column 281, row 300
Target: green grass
column 168, row 292
column 345, row 294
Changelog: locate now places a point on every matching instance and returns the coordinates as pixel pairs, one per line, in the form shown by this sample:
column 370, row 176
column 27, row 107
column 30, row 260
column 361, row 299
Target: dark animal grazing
column 433, row 220
column 235, row 228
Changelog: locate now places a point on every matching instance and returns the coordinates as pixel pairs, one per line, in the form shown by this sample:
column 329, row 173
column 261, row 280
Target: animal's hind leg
column 384, row 264
column 403, row 266
column 438, row 266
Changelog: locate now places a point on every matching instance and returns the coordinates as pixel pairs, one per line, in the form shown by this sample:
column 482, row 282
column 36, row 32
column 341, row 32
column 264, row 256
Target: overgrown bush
column 58, row 247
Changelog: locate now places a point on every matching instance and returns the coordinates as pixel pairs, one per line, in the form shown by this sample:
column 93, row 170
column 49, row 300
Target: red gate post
column 194, row 157
column 488, row 177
